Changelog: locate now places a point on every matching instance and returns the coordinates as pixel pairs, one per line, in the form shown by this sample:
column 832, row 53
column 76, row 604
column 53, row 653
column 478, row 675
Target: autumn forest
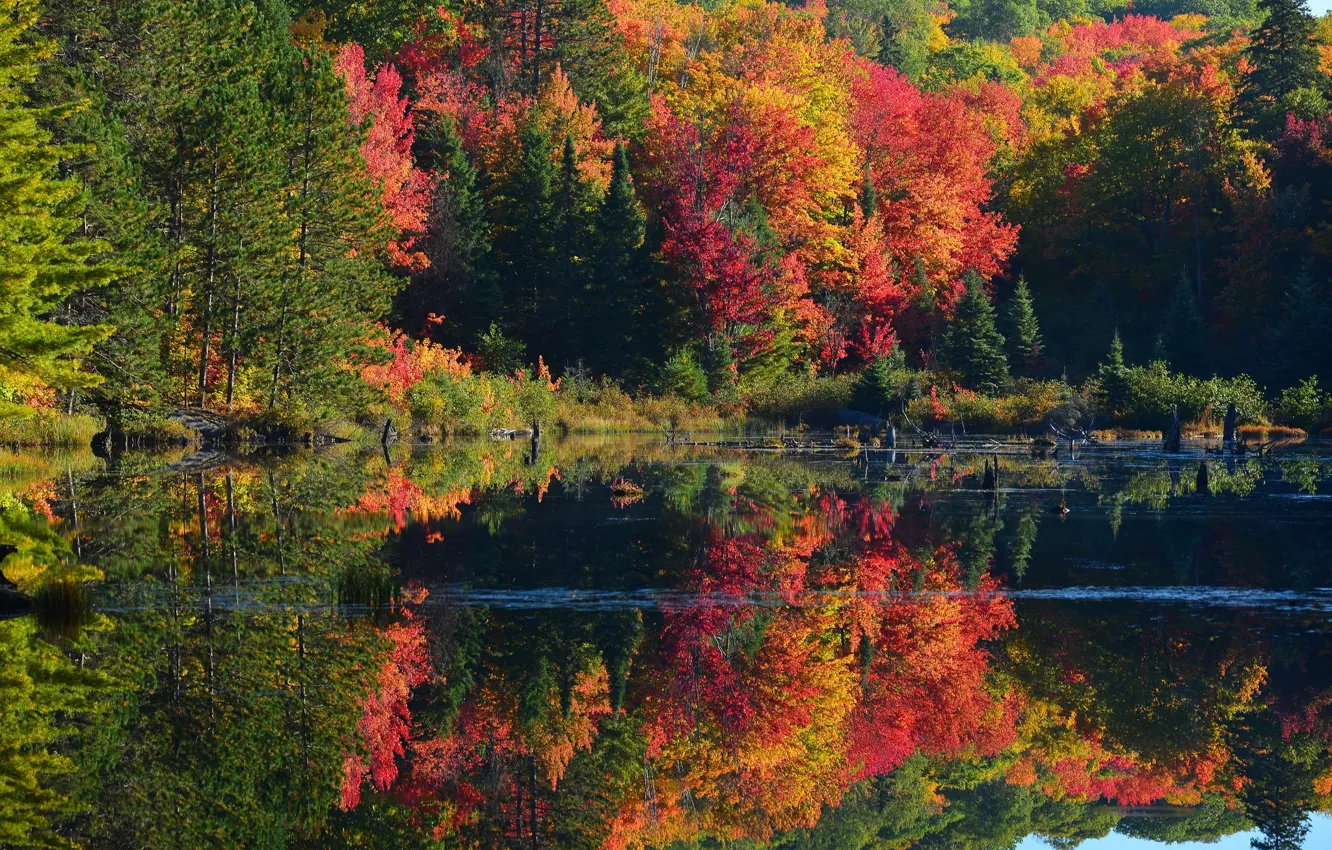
column 609, row 214
column 663, row 425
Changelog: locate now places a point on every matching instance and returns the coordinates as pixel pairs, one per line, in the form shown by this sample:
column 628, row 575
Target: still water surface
column 620, row 644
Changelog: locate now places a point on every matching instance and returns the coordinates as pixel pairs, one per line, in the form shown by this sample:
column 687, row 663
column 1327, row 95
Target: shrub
column 683, row 376
column 498, row 353
column 801, row 396
column 1149, row 392
column 883, row 384
column 1305, row 406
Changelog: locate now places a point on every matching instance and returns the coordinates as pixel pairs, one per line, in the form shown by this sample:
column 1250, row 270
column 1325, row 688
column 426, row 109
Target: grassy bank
column 49, row 429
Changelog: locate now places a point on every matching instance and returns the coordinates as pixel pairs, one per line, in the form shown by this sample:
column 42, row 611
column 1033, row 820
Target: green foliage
column 683, row 376
column 45, row 695
column 1022, row 332
column 883, row 384
column 1305, row 406
column 1285, row 62
column 1144, row 395
column 971, row 346
column 621, row 301
column 1112, row 379
column 41, row 260
column 524, row 255
column 500, row 354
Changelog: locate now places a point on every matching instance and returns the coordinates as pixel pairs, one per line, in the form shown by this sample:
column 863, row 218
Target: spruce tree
column 1023, row 332
column 1300, row 343
column 40, row 264
column 523, row 249
column 1112, row 377
column 877, row 385
column 458, row 284
column 565, row 301
column 971, row 345
column 621, row 298
column 1285, row 61
column 869, row 198
column 1186, row 332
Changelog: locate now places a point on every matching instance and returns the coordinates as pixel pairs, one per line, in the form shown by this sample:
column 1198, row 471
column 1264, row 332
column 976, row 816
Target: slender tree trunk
column 1197, row 242
column 301, row 260
column 235, row 337
column 536, row 47
column 205, row 328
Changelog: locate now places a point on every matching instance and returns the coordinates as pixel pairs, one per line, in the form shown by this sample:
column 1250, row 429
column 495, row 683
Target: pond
column 616, row 643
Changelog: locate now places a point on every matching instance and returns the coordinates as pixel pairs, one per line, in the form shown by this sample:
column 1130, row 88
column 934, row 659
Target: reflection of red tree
column 925, row 686
column 494, row 758
column 386, row 722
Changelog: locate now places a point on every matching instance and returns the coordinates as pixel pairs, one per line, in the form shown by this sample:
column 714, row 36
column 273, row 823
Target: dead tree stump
column 1171, row 441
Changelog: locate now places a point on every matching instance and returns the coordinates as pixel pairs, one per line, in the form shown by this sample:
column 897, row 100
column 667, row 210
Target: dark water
column 619, row 644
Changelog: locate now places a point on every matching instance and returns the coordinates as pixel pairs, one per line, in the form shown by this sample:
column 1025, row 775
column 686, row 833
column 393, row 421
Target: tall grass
column 50, row 429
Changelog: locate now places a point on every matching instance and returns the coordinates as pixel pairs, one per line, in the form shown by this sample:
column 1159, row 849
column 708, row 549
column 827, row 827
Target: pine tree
column 458, row 284
column 565, row 301
column 1301, row 337
column 1023, row 331
column 524, row 256
column 1285, row 61
column 1112, row 378
column 40, row 265
column 621, row 299
column 878, row 384
column 1186, row 332
column 971, row 345
column 331, row 280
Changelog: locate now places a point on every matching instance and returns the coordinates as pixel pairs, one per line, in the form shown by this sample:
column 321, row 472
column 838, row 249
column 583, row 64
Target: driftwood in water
column 389, row 435
column 1203, row 487
column 932, row 439
column 1075, row 435
column 1171, row 441
column 509, row 433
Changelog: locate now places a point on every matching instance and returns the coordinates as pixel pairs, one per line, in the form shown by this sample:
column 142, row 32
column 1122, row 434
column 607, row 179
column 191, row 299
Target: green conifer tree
column 40, row 264
column 458, row 285
column 1285, row 62
column 878, row 386
column 565, row 302
column 1023, row 333
column 1112, row 378
column 971, row 345
column 621, row 300
column 524, row 256
column 869, row 198
column 1186, row 332
column 331, row 279
column 1301, row 337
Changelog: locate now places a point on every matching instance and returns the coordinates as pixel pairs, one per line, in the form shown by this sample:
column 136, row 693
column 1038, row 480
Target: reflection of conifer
column 1024, row 537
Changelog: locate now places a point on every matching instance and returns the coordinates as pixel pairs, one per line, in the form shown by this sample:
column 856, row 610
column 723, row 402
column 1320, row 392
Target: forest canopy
column 279, row 209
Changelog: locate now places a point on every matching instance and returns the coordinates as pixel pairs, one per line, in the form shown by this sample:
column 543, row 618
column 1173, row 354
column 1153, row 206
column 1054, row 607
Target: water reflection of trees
column 838, row 666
